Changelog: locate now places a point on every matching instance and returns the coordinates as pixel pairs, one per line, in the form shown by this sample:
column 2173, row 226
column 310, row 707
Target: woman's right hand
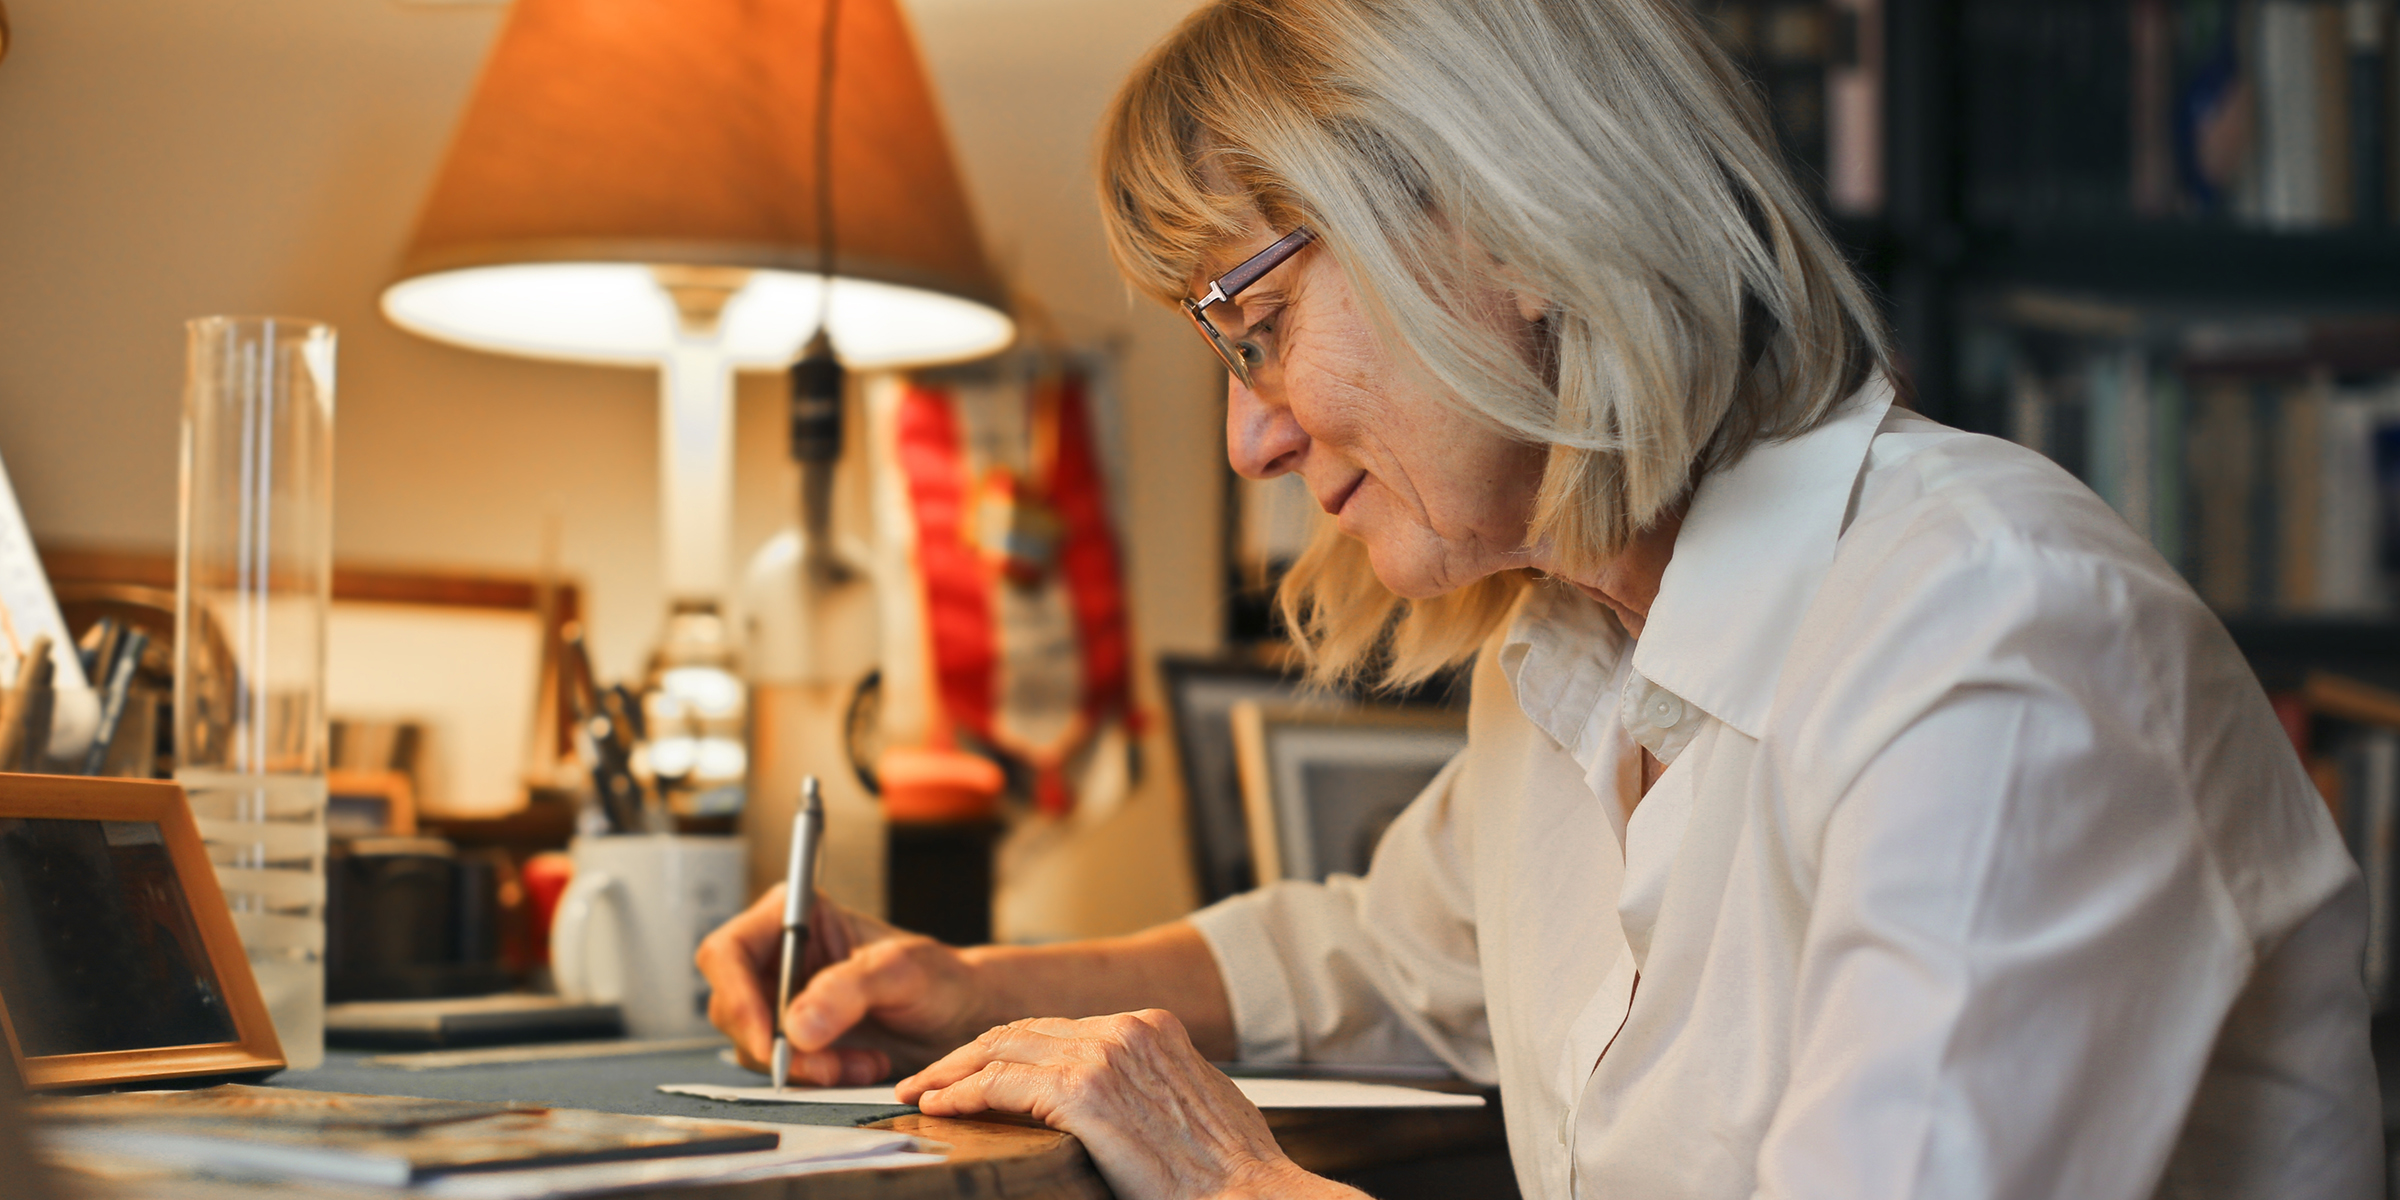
column 877, row 999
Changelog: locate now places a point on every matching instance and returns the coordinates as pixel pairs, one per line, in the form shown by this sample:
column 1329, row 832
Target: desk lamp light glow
column 646, row 183
column 636, row 315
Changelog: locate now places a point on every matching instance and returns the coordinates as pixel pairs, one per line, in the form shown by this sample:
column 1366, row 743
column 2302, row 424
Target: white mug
column 629, row 922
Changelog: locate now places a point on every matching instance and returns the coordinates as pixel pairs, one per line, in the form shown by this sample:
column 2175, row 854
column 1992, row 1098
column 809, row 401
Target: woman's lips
column 1334, row 503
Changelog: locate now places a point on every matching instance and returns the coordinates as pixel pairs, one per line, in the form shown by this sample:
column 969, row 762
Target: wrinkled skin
column 1438, row 497
column 918, row 990
column 1157, row 1119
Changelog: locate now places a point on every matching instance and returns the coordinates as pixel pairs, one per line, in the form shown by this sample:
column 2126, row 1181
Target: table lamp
column 664, row 183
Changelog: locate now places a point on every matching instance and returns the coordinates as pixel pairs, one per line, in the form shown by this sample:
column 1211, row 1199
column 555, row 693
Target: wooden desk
column 1395, row 1153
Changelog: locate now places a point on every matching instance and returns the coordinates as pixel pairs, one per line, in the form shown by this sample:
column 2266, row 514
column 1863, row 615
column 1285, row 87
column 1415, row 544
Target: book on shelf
column 1819, row 67
column 2276, row 114
column 1854, row 109
column 2263, row 460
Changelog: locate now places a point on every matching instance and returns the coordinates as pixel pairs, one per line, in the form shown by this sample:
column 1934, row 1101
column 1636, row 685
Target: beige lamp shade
column 611, row 137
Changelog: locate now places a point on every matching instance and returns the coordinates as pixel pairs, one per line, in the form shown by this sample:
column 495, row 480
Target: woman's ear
column 1531, row 304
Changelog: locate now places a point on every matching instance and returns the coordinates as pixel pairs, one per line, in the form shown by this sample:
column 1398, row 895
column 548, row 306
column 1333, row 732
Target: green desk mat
column 619, row 1084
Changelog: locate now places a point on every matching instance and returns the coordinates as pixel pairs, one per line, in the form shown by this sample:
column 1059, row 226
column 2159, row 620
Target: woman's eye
column 1253, row 346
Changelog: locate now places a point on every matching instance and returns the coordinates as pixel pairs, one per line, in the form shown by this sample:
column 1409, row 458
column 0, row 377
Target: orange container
column 929, row 786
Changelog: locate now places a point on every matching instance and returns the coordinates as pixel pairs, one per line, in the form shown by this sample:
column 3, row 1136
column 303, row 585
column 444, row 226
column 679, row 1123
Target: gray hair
column 1602, row 155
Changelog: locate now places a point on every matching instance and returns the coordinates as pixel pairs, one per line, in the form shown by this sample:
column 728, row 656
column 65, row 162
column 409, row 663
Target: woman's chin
column 1411, row 576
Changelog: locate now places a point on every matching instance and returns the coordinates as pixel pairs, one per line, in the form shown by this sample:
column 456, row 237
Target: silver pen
column 799, row 897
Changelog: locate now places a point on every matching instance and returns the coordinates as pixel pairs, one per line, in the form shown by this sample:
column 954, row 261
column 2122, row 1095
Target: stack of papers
column 437, row 1147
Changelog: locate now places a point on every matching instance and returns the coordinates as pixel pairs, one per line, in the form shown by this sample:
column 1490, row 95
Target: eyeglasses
column 1225, row 287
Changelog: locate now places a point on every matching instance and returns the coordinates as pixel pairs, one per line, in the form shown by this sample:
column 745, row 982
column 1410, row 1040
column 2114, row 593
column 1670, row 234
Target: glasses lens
column 1226, row 353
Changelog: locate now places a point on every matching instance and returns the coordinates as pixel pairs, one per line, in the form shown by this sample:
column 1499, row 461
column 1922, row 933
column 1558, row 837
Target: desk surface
column 620, row 1084
column 989, row 1157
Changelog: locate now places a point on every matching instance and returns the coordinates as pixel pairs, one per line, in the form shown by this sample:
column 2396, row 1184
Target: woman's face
column 1439, row 499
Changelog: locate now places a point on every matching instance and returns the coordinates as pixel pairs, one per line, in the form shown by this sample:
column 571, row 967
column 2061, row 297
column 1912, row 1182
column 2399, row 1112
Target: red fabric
column 958, row 610
column 1088, row 559
column 959, row 576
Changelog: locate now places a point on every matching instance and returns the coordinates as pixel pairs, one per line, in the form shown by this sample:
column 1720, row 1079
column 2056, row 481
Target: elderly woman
column 1852, row 807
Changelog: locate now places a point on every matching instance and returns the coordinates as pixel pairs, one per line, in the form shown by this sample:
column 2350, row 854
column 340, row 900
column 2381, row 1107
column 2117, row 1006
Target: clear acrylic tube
column 255, row 576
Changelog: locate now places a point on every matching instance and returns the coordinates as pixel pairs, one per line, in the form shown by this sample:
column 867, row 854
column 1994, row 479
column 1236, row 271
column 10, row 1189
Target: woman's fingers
column 1039, row 1040
column 907, row 996
column 838, row 1066
column 882, row 995
column 880, row 975
column 742, row 960
column 1040, row 1092
column 736, row 960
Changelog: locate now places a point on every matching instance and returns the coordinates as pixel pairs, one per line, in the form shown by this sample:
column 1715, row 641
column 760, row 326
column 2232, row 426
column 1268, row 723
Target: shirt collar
column 1756, row 542
column 1560, row 655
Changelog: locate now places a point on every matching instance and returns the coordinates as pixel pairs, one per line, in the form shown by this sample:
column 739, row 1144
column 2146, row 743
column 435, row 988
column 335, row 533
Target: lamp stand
column 694, row 703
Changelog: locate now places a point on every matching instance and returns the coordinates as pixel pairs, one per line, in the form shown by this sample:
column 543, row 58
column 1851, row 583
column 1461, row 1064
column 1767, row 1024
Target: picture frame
column 471, row 659
column 119, row 961
column 1321, row 785
column 369, row 804
column 1201, row 693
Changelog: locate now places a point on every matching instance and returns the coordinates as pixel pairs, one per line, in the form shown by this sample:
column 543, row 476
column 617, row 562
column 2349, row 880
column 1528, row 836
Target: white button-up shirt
column 1979, row 867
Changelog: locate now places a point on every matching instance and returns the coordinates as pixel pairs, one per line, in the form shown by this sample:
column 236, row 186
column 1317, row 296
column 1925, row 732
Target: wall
column 161, row 159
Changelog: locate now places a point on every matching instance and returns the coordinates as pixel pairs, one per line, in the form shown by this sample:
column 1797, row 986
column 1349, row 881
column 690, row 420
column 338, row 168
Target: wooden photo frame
column 1319, row 786
column 119, row 962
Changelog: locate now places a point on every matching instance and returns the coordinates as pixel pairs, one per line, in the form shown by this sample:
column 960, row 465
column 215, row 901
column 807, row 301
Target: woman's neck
column 1629, row 582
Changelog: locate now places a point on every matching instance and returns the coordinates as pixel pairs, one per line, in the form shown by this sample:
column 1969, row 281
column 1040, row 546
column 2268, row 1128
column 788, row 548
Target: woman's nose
column 1261, row 439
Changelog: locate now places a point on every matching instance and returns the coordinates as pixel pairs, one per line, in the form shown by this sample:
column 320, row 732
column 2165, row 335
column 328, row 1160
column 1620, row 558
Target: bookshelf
column 2342, row 269
column 2046, row 154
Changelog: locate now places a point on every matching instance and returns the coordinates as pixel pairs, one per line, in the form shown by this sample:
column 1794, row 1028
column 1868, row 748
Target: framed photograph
column 118, row 958
column 1201, row 693
column 1320, row 786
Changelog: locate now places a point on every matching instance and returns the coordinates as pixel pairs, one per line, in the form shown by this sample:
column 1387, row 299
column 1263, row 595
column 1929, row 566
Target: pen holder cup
column 633, row 916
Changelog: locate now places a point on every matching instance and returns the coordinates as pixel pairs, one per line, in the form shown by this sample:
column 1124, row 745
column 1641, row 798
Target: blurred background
column 2158, row 240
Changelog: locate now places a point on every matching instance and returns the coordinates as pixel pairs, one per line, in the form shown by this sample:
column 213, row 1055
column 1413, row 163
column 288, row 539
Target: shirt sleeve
column 1374, row 970
column 2070, row 867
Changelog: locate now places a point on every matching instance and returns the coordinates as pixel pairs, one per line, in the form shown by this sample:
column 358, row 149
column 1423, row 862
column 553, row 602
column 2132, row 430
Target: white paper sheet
column 1265, row 1093
column 31, row 609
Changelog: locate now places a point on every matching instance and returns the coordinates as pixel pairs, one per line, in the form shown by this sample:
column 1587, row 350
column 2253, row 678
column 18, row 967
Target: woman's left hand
column 1157, row 1119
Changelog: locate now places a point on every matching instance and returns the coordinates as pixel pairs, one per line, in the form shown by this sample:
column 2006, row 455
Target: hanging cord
column 817, row 380
column 826, row 50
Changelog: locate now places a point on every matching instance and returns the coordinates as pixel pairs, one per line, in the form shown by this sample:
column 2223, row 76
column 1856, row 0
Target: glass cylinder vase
column 255, row 573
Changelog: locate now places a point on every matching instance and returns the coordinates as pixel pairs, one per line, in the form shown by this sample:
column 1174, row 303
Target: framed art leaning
column 119, row 962
column 1319, row 786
